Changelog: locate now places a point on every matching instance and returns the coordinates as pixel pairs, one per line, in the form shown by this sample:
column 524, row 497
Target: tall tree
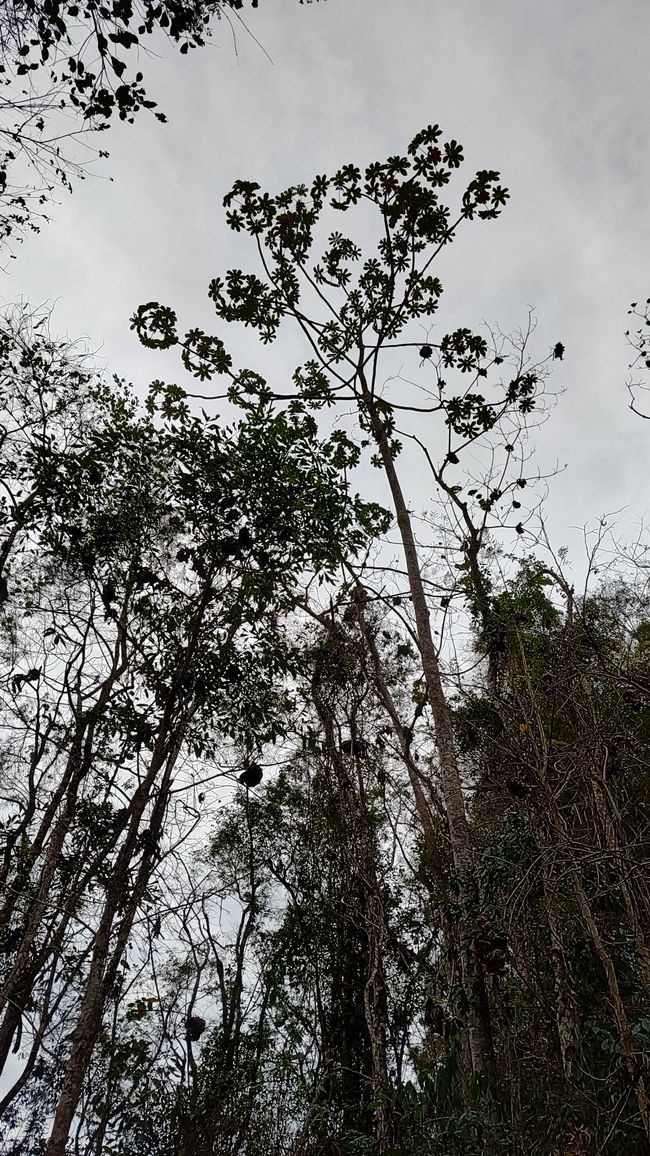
column 353, row 317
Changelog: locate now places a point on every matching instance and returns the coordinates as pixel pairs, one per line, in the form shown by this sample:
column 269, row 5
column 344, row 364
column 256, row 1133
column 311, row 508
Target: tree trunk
column 480, row 1028
column 104, row 963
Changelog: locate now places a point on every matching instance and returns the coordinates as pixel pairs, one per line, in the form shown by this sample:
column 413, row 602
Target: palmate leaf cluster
column 404, row 189
column 351, row 310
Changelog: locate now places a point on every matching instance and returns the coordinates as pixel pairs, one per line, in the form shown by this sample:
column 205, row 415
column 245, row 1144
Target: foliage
column 352, row 311
column 150, row 562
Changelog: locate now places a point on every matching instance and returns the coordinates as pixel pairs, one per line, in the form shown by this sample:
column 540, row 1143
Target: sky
column 553, row 95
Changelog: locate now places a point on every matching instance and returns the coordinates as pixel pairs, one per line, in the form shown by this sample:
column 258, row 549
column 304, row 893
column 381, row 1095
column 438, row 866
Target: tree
column 351, row 324
column 557, row 810
column 423, row 930
column 150, row 561
column 556, row 751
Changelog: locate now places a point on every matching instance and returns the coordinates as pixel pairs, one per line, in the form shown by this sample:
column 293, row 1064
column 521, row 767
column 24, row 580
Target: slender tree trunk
column 480, row 1028
column 104, row 963
column 611, row 842
column 624, row 1034
column 28, row 962
column 432, row 857
column 375, row 1006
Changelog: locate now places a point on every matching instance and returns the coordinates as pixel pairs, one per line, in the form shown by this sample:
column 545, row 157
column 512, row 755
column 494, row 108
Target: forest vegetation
column 323, row 818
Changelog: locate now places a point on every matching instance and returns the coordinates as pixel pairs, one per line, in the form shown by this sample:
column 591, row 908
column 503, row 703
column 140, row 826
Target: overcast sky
column 553, row 94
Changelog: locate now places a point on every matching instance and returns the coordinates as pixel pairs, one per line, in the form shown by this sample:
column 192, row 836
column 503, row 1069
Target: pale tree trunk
column 480, row 1028
column 430, row 831
column 385, row 697
column 104, row 962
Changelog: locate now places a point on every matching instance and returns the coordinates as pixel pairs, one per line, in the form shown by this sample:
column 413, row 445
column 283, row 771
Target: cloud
column 552, row 95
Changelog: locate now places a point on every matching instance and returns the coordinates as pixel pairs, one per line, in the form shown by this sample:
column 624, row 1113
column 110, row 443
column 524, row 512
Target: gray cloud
column 553, row 95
